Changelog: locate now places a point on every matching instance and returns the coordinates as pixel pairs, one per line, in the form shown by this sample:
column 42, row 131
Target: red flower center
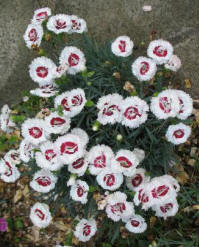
column 145, row 68
column 135, row 223
column 142, row 196
column 124, row 162
column 80, row 191
column 40, row 214
column 33, row 35
column 160, row 51
column 73, row 59
column 42, row 71
column 86, row 230
column 78, row 163
column 100, row 161
column 14, row 156
column 109, row 111
column 9, row 172
column 109, row 179
column 60, row 24
column 178, row 133
column 69, row 148
column 41, row 16
column 165, row 104
column 160, row 191
column 132, row 112
column 35, row 132
column 137, row 180
column 50, row 154
column 166, row 207
column 118, row 208
column 64, row 103
column 122, row 45
column 43, row 181
column 77, row 100
column 57, row 121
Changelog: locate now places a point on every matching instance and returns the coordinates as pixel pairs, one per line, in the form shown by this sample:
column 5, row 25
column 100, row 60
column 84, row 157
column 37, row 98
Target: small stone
column 147, row 8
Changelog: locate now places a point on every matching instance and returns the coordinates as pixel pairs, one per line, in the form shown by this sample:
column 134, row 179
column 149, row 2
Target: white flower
column 72, row 101
column 70, row 148
column 40, row 215
column 79, row 191
column 82, row 135
column 144, row 68
column 77, row 25
column 174, row 63
column 122, row 46
column 140, row 154
column 178, row 133
column 161, row 189
column 76, row 101
column 169, row 208
column 166, row 104
column 5, row 123
column 48, row 157
column 8, row 171
column 33, row 130
column 59, row 23
column 134, row 111
column 136, row 224
column 160, row 50
column 143, row 196
column 33, row 35
column 45, row 91
column 41, row 15
column 79, row 166
column 13, row 155
column 117, row 207
column 186, row 104
column 109, row 180
column 99, row 157
column 43, row 181
column 109, row 107
column 124, row 162
column 57, row 124
column 73, row 58
column 85, row 229
column 42, row 70
column 26, row 151
column 134, row 182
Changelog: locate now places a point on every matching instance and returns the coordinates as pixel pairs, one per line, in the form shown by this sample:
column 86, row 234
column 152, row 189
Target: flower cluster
column 51, row 143
column 43, row 70
column 159, row 194
column 159, row 52
column 173, row 103
column 59, row 23
column 131, row 112
column 62, row 23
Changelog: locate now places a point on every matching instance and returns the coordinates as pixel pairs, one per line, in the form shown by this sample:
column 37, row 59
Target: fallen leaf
column 26, row 191
column 195, row 207
column 152, row 221
column 35, row 233
column 181, row 175
column 17, row 196
column 187, row 83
